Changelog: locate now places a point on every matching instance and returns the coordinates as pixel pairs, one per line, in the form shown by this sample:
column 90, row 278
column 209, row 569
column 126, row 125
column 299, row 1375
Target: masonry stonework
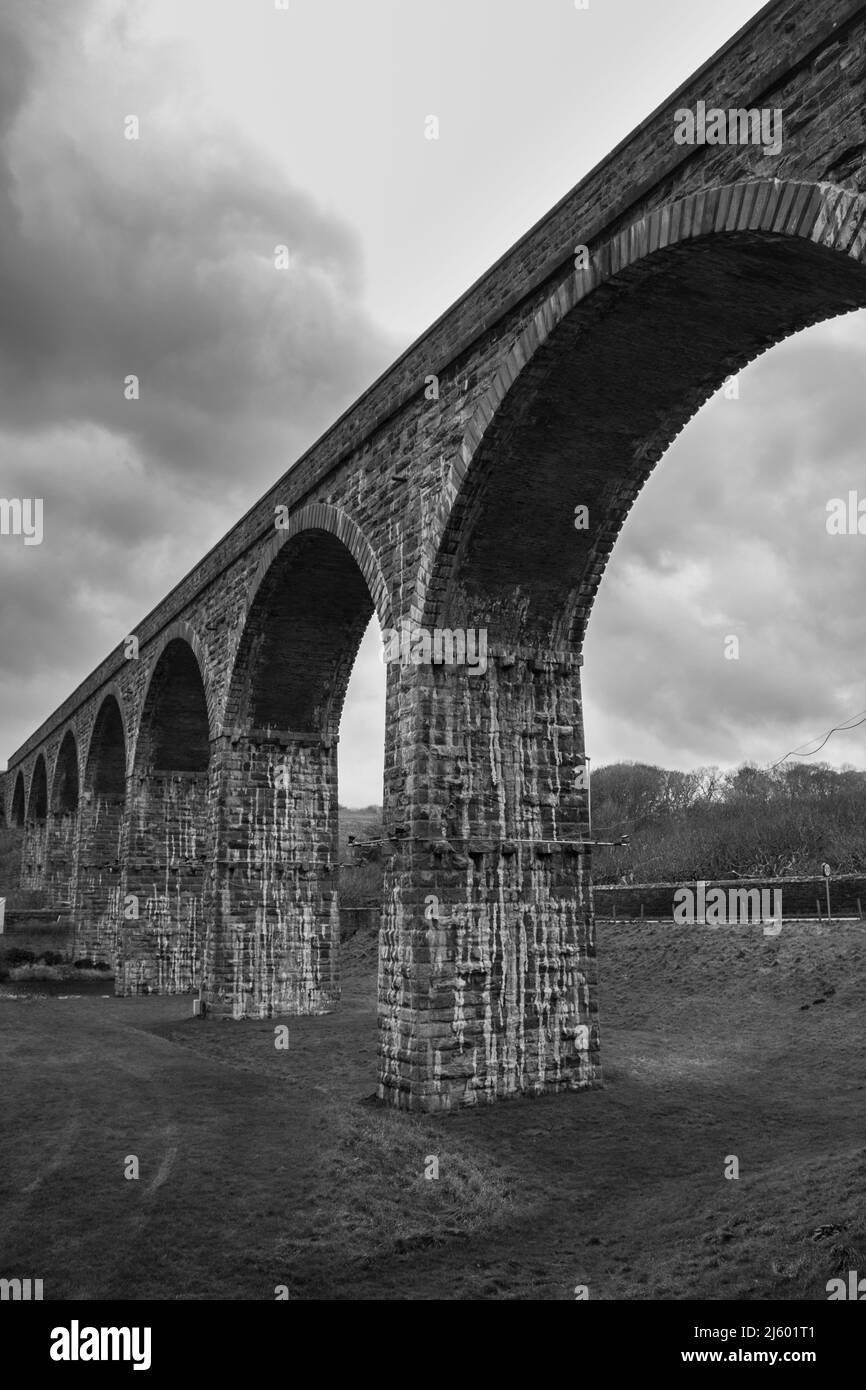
column 559, row 387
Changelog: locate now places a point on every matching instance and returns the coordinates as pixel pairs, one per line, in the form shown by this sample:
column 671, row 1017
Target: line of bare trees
column 746, row 822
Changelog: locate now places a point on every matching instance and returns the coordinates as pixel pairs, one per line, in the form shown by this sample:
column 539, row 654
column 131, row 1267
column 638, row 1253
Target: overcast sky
column 306, row 126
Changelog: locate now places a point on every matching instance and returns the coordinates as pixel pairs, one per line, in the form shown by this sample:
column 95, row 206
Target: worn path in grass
column 261, row 1167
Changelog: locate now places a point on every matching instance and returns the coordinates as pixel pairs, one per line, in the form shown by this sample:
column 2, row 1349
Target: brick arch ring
column 176, row 631
column 112, row 688
column 28, row 790
column 11, row 783
column 822, row 213
column 62, row 732
column 318, row 516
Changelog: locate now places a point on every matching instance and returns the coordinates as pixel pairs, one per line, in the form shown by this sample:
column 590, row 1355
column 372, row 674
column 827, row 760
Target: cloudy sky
column 305, row 126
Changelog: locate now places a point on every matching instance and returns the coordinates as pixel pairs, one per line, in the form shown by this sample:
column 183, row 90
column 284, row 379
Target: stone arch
column 35, row 846
column 609, row 369
column 318, row 516
column 65, row 782
column 37, row 802
column 275, row 944
column 337, row 584
column 168, row 825
column 732, row 246
column 179, row 659
column 16, row 824
column 176, row 632
column 106, row 764
column 102, row 811
column 63, row 822
column 18, row 812
column 109, row 692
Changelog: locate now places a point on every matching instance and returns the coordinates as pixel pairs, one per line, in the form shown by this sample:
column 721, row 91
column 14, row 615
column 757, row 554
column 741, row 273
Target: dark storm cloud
column 155, row 258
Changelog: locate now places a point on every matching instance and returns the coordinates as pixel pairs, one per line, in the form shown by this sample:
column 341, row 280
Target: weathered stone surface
column 206, row 760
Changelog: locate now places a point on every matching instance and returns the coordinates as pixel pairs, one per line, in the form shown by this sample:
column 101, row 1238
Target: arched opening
column 736, row 625
column 174, row 735
column 98, row 901
column 37, row 806
column 18, row 804
column 34, row 854
column 105, row 773
column 64, row 793
column 278, row 935
column 64, row 821
column 163, row 929
column 300, row 639
column 551, row 470
column 362, row 853
column 12, row 842
column 603, row 397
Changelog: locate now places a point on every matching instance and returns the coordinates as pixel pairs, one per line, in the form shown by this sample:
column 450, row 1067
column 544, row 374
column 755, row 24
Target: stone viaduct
column 193, row 781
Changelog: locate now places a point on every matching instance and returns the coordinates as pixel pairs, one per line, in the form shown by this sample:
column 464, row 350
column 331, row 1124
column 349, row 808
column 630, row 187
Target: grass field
column 360, row 883
column 261, row 1167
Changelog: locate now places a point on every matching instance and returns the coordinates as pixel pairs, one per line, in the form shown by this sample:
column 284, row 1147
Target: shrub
column 361, row 885
column 18, row 955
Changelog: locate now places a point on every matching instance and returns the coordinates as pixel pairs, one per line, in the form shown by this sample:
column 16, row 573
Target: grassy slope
column 360, row 823
column 360, row 883
column 262, row 1167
